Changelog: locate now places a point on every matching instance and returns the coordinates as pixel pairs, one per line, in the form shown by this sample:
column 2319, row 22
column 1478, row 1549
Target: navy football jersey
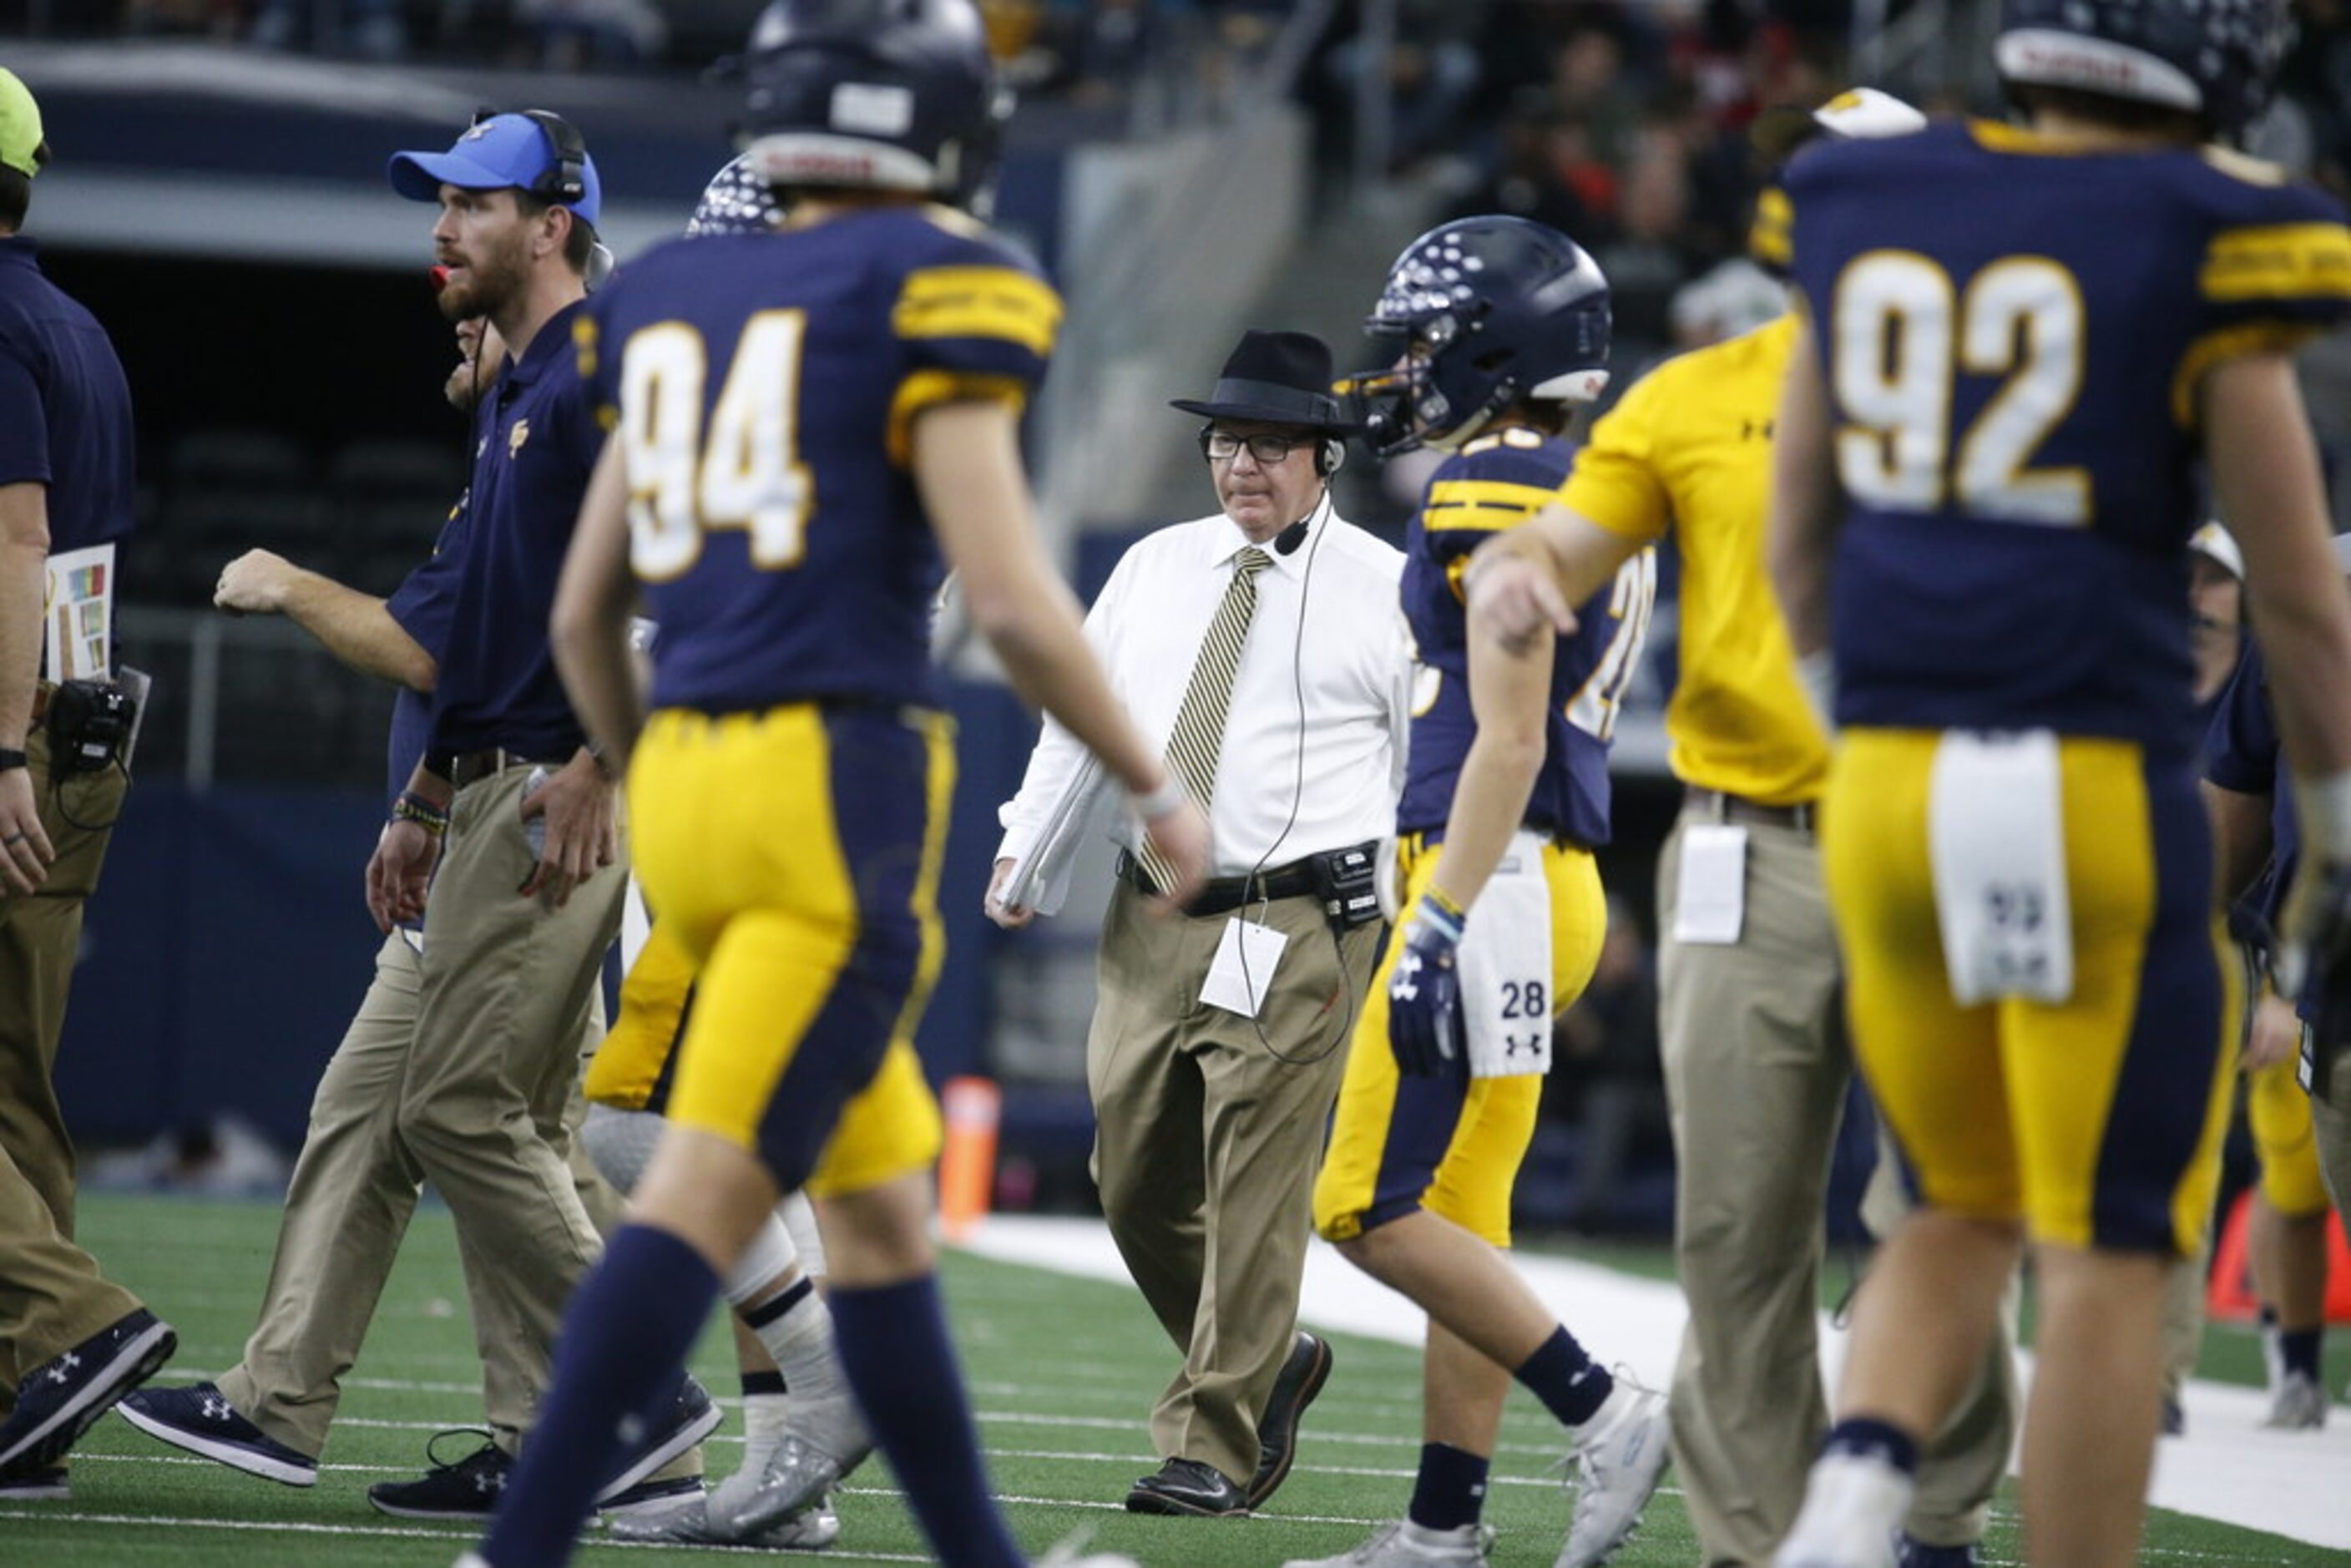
column 2013, row 337
column 763, row 388
column 1494, row 483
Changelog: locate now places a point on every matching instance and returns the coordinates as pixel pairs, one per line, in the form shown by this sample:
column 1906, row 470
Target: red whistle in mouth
column 439, row 276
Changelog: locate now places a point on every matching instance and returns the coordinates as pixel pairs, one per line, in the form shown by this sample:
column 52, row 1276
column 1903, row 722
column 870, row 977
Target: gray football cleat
column 810, row 1530
column 1400, row 1543
column 822, row 1441
column 2298, row 1404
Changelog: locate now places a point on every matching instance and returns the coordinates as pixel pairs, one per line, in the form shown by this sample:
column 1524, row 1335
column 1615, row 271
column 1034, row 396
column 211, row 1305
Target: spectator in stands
column 1528, row 181
column 373, row 29
column 568, row 35
column 72, row 1342
column 1433, row 69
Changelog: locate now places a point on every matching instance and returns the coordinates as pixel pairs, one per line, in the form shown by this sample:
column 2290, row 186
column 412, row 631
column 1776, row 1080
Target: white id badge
column 1995, row 831
column 1506, row 1000
column 1710, row 895
column 1243, row 967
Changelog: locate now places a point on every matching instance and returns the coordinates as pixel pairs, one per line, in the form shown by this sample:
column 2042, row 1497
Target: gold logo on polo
column 516, row 437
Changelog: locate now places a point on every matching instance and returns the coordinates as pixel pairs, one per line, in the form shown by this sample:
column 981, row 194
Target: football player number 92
column 1901, row 332
column 741, row 472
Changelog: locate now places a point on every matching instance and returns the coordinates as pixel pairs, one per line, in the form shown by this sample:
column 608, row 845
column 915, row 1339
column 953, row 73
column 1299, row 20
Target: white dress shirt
column 1285, row 789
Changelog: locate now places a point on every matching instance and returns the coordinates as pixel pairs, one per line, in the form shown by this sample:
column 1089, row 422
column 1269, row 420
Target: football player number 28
column 1902, row 333
column 740, row 472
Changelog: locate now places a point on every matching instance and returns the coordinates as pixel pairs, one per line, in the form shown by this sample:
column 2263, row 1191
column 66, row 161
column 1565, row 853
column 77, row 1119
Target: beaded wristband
column 413, row 808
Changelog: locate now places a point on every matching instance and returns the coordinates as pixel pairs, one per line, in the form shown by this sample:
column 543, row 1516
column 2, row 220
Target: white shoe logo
column 216, row 1408
column 62, row 1373
column 1402, row 985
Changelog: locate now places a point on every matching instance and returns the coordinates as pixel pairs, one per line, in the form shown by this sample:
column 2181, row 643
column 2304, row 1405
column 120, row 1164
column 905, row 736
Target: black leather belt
column 1722, row 807
column 1222, row 895
column 473, row 767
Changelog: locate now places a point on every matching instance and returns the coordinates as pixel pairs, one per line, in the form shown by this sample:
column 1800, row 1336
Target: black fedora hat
column 1275, row 378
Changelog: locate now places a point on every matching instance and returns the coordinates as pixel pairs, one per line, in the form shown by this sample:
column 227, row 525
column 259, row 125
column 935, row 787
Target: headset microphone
column 438, row 276
column 1287, row 541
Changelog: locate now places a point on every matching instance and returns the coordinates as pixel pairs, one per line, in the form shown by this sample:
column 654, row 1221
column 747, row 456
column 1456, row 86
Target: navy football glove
column 1426, row 1029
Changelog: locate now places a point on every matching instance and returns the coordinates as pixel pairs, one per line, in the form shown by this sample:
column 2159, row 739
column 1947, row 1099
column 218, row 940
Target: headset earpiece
column 1330, row 457
column 566, row 183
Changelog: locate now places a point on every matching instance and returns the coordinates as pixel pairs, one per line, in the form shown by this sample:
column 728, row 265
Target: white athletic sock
column 797, row 1330
column 764, row 1416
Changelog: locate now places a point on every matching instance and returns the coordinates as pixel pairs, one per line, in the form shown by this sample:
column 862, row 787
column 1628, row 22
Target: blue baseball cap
column 506, row 150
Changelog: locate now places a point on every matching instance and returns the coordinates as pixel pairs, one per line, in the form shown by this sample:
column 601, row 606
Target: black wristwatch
column 13, row 760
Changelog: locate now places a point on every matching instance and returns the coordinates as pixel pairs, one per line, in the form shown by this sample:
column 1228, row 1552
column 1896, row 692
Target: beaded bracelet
column 414, row 808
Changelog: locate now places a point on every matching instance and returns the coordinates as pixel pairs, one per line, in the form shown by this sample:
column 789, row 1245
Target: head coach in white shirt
column 1264, row 647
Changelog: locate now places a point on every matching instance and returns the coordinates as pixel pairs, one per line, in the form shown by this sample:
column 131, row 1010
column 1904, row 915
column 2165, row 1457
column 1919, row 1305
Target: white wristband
column 2324, row 805
column 1162, row 800
column 1816, row 673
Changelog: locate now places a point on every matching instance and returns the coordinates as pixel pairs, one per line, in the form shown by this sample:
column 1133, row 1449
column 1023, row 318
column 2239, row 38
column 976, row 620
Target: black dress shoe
column 1186, row 1486
column 1294, row 1387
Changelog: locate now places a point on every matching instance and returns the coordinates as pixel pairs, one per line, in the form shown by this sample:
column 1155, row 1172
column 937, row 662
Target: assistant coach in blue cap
column 509, row 816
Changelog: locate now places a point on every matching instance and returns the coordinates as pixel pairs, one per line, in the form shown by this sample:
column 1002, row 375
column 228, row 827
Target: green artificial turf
column 1063, row 1372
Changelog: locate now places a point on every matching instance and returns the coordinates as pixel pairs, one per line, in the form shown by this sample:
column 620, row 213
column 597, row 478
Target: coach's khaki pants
column 1206, row 1146
column 505, row 990
column 354, row 1187
column 1756, row 1065
column 2330, row 1118
column 52, row 1296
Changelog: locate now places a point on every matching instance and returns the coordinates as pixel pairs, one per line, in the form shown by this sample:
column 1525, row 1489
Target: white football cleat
column 1852, row 1517
column 1620, row 1454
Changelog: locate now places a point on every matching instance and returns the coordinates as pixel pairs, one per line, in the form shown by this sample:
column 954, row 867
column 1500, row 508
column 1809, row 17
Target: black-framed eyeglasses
column 1223, row 446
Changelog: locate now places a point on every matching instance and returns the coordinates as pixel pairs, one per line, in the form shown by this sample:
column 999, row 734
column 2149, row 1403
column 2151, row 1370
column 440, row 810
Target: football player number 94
column 741, row 472
column 1902, row 333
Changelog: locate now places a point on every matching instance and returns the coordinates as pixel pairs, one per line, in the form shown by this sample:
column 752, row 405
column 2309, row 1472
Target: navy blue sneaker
column 693, row 1416
column 63, row 1398
column 650, row 1496
column 468, row 1487
column 199, row 1419
column 1918, row 1554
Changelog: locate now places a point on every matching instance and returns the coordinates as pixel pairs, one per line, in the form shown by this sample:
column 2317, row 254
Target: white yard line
column 2227, row 1468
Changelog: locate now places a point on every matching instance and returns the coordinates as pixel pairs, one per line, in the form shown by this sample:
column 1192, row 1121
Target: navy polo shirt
column 423, row 604
column 2242, row 754
column 65, row 407
column 536, row 441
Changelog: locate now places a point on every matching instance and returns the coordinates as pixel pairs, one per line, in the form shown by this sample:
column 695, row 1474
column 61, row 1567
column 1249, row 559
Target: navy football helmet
column 1478, row 314
column 736, row 202
column 2212, row 58
column 897, row 95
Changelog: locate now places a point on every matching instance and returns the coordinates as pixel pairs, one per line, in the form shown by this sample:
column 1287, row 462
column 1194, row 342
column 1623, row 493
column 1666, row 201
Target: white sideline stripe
column 2227, row 1468
column 41, row 1512
column 38, row 1512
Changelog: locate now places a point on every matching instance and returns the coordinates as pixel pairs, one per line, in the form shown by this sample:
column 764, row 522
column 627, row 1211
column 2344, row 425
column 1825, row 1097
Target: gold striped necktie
column 1199, row 732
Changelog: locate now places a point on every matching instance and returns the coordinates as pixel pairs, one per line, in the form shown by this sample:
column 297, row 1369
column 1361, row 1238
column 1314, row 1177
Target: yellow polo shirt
column 1689, row 448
